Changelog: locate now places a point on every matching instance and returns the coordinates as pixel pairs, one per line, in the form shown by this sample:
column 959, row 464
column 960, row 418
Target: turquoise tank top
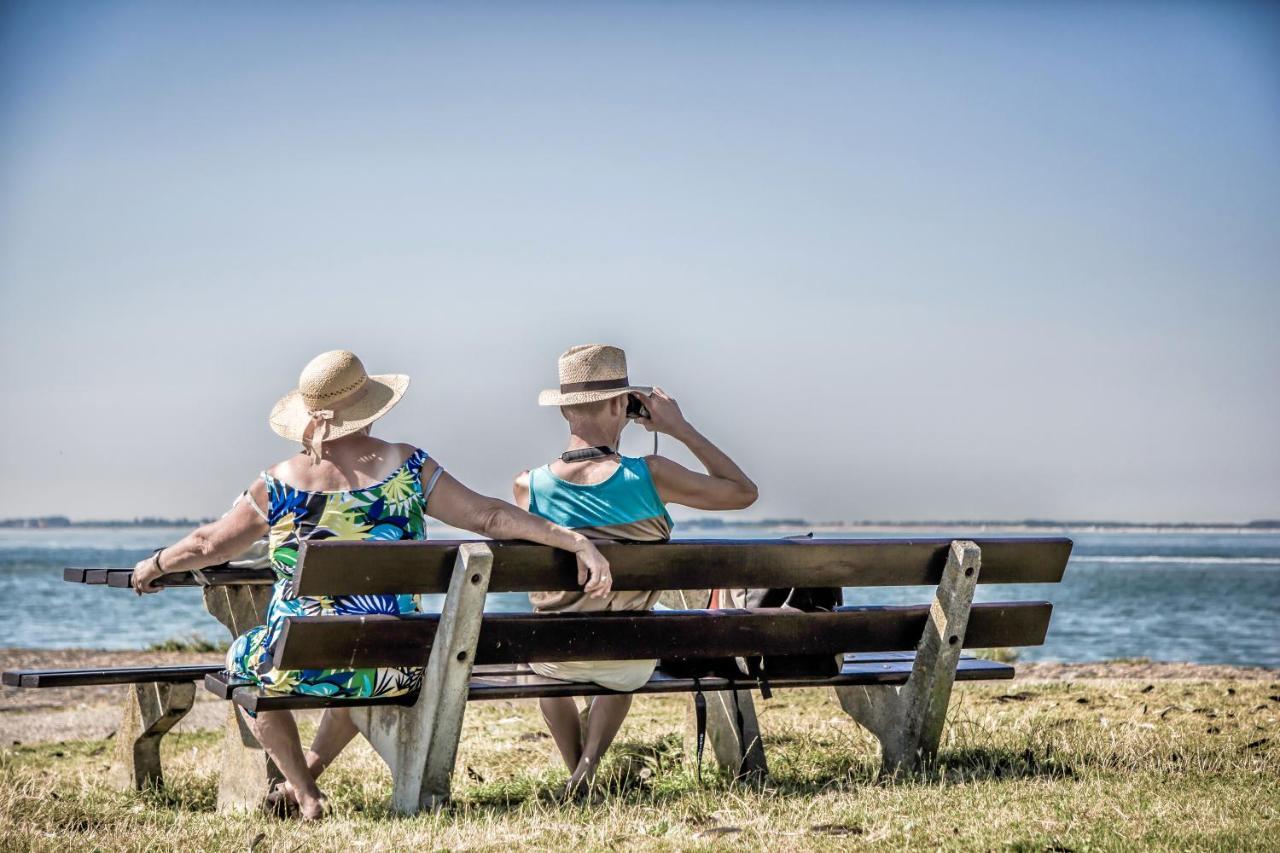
column 626, row 506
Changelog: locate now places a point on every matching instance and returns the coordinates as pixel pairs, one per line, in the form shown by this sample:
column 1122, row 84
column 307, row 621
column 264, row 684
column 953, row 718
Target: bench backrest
column 350, row 568
column 353, row 568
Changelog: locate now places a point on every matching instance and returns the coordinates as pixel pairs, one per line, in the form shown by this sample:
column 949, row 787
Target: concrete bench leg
column 736, row 747
column 733, row 735
column 150, row 711
column 420, row 743
column 908, row 720
column 247, row 773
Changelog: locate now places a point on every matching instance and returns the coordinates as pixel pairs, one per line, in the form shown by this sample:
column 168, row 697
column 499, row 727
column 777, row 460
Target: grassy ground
column 1106, row 765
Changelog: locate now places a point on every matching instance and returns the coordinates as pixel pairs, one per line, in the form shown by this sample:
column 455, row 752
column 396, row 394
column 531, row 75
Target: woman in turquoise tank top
column 345, row 485
column 594, row 490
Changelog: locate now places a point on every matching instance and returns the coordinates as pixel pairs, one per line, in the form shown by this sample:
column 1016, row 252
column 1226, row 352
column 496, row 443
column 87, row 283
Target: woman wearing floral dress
column 348, row 485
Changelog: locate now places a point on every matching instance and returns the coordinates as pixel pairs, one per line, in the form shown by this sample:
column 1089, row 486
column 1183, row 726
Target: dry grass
column 1056, row 766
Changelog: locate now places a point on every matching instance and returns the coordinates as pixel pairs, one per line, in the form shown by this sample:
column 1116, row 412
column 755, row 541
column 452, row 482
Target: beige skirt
column 621, row 675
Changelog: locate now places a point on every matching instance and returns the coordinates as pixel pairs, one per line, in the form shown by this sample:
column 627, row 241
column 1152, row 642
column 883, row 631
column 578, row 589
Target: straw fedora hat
column 588, row 373
column 335, row 396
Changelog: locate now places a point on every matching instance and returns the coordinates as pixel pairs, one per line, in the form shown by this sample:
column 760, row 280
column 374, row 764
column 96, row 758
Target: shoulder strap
column 247, row 498
column 431, row 483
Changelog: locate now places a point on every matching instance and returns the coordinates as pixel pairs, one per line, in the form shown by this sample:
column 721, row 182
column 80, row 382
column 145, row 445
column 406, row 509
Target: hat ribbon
column 314, row 433
column 594, row 385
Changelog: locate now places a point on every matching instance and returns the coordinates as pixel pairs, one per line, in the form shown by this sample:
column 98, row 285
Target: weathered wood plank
column 117, row 675
column 120, row 578
column 212, row 577
column 357, row 641
column 507, row 682
column 347, row 568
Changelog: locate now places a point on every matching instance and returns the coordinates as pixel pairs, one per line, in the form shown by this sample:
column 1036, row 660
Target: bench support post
column 248, row 774
column 908, row 719
column 732, row 730
column 420, row 743
column 150, row 711
column 733, row 735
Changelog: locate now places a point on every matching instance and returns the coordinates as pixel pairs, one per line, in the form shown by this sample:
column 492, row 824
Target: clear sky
column 901, row 260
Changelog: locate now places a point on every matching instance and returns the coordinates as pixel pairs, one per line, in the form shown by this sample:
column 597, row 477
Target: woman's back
column 357, row 462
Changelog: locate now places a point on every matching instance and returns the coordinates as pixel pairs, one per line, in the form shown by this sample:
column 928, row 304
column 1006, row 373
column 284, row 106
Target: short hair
column 579, row 411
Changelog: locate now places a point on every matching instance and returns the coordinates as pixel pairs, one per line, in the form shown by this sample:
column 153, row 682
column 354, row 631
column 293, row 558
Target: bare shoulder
column 520, row 489
column 659, row 465
column 393, row 452
column 284, row 469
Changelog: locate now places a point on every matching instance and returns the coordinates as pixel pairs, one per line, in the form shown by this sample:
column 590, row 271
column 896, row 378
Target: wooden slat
column 121, row 578
column 360, row 641
column 346, row 568
column 216, row 577
column 117, row 675
column 521, row 683
column 222, row 684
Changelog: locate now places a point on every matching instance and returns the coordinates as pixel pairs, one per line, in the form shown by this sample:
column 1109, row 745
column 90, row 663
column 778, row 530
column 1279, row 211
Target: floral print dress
column 390, row 510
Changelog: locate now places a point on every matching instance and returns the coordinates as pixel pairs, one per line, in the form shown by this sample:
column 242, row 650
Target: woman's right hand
column 593, row 569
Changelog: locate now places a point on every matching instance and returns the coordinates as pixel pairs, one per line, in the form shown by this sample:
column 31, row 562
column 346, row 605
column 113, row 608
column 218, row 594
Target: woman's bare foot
column 281, row 802
column 314, row 808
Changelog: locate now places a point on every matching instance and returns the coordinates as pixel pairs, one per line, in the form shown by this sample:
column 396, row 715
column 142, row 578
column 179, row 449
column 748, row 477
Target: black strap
column 700, row 721
column 587, row 453
column 762, row 681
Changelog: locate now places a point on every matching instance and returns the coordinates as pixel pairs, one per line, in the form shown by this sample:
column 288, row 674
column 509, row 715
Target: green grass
column 190, row 643
column 1000, row 654
column 1089, row 766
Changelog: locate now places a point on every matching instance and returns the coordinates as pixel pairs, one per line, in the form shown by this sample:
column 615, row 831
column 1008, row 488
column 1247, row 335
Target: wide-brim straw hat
column 335, row 397
column 589, row 373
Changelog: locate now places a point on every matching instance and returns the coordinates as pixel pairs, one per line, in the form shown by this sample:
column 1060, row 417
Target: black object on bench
column 222, row 575
column 110, row 675
column 471, row 655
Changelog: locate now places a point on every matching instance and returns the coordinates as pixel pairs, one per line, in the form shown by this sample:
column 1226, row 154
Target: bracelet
column 155, row 558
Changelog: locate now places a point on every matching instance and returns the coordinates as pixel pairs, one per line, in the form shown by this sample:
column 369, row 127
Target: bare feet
column 315, row 808
column 281, row 802
column 284, row 802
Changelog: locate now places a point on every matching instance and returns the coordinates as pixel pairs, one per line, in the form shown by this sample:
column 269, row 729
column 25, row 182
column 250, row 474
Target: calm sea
column 1178, row 596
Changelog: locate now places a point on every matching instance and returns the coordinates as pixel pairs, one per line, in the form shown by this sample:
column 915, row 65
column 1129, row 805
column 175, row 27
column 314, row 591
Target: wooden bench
column 160, row 696
column 897, row 683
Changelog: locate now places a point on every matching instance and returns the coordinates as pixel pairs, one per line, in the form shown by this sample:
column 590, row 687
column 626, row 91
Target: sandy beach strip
column 86, row 713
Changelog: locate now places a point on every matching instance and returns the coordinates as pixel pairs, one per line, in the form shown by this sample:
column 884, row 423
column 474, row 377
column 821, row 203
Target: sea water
column 1203, row 596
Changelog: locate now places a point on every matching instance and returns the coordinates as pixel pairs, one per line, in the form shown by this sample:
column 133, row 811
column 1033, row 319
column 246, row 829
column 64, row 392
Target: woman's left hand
column 593, row 570
column 145, row 573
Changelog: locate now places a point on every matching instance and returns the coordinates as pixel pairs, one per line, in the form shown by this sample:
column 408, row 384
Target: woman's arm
column 458, row 506
column 724, row 486
column 207, row 545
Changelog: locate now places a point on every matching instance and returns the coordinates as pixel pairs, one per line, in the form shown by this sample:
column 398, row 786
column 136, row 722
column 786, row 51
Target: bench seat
column 111, row 675
column 517, row 681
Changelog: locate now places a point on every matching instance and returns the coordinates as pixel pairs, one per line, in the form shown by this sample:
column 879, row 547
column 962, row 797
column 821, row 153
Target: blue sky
column 902, row 260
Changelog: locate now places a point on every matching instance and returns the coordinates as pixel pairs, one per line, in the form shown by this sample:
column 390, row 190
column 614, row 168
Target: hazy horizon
column 989, row 260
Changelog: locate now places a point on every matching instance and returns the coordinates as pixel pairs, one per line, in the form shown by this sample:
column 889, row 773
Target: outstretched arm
column 458, row 506
column 724, row 486
column 207, row 545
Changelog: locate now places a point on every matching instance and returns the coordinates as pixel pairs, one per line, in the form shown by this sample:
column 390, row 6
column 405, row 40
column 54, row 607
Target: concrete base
column 150, row 711
column 248, row 775
column 420, row 743
column 908, row 720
